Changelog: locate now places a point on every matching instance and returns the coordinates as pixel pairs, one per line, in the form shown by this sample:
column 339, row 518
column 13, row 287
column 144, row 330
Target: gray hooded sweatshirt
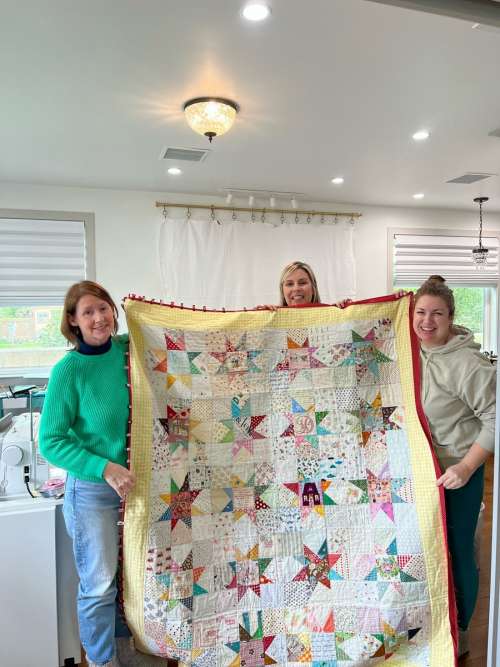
column 458, row 396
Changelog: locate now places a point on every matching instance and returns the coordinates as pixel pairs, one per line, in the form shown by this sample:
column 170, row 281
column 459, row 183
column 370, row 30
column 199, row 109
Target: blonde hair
column 436, row 286
column 290, row 268
column 73, row 296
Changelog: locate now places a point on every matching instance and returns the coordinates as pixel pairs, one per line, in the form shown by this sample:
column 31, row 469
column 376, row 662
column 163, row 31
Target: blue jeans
column 91, row 516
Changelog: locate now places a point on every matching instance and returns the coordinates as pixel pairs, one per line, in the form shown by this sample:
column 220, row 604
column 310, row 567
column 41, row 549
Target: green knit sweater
column 85, row 412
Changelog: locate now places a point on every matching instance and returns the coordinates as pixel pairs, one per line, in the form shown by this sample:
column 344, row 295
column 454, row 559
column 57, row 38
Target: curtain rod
column 293, row 211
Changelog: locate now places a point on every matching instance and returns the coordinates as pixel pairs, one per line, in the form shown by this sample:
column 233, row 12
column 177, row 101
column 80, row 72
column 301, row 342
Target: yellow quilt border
column 428, row 507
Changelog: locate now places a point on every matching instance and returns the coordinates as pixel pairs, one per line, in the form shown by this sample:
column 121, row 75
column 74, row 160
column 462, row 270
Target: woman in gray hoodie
column 458, row 397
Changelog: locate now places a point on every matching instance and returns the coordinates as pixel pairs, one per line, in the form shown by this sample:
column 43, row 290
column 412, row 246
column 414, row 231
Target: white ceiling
column 91, row 92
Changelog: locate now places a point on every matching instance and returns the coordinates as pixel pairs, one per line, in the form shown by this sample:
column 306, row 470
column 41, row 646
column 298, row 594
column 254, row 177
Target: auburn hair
column 73, row 296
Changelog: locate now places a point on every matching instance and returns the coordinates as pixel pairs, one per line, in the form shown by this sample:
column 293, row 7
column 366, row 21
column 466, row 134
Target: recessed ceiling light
column 174, row 171
column 256, row 11
column 338, row 180
column 418, row 195
column 421, row 135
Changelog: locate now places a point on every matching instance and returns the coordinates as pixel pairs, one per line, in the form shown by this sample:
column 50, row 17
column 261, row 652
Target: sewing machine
column 22, row 468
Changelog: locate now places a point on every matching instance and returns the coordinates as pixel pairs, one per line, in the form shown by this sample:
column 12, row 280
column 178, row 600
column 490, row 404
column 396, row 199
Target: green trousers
column 462, row 511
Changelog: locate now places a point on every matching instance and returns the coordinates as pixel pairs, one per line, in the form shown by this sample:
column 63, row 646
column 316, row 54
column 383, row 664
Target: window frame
column 491, row 312
column 88, row 220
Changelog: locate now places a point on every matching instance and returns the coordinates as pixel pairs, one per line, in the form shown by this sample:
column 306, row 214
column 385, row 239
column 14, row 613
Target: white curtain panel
column 235, row 264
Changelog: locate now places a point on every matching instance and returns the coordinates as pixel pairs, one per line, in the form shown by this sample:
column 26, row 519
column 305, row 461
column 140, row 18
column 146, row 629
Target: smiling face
column 297, row 288
column 432, row 321
column 94, row 317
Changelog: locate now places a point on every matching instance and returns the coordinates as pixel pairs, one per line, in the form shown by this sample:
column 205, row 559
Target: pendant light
column 479, row 252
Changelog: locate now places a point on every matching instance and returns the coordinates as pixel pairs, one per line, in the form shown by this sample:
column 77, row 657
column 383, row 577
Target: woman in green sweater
column 458, row 397
column 83, row 430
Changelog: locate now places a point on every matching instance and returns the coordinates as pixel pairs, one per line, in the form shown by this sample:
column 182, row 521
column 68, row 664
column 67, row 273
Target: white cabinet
column 37, row 586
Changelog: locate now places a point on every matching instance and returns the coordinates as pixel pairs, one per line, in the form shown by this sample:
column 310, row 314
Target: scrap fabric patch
column 286, row 511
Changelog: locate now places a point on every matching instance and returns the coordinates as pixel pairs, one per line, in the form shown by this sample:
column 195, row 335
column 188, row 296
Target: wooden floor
column 479, row 624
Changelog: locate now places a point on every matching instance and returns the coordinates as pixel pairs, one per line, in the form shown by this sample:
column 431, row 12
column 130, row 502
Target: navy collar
column 85, row 348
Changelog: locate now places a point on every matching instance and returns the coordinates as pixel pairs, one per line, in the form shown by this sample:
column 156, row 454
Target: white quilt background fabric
column 234, row 265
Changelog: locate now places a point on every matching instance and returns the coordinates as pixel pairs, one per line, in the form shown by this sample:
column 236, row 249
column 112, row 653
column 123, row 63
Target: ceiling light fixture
column 210, row 116
column 293, row 202
column 421, row 135
column 479, row 252
column 174, row 171
column 272, row 201
column 229, row 198
column 251, row 200
column 338, row 180
column 256, row 11
column 418, row 195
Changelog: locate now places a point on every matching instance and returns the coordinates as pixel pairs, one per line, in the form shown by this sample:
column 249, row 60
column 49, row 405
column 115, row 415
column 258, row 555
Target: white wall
column 127, row 224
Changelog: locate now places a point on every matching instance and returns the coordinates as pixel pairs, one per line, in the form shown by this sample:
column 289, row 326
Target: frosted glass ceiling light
column 256, row 11
column 210, row 116
column 418, row 195
column 421, row 135
column 480, row 253
column 338, row 180
column 174, row 171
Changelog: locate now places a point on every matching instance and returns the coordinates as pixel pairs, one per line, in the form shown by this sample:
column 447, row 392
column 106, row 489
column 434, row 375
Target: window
column 417, row 254
column 41, row 255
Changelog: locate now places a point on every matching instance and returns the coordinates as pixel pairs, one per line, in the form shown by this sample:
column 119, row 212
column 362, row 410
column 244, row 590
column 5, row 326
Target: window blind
column 417, row 256
column 39, row 260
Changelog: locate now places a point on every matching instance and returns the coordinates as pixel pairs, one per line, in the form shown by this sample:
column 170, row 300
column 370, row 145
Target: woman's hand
column 119, row 478
column 455, row 476
column 459, row 474
column 266, row 307
column 343, row 304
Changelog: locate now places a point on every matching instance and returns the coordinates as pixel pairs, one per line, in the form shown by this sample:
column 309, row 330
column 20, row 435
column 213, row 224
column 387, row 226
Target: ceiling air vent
column 470, row 178
column 186, row 154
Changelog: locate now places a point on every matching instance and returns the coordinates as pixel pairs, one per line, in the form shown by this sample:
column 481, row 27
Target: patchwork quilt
column 286, row 511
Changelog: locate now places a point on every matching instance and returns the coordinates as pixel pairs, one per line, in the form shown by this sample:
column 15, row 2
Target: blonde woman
column 297, row 287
